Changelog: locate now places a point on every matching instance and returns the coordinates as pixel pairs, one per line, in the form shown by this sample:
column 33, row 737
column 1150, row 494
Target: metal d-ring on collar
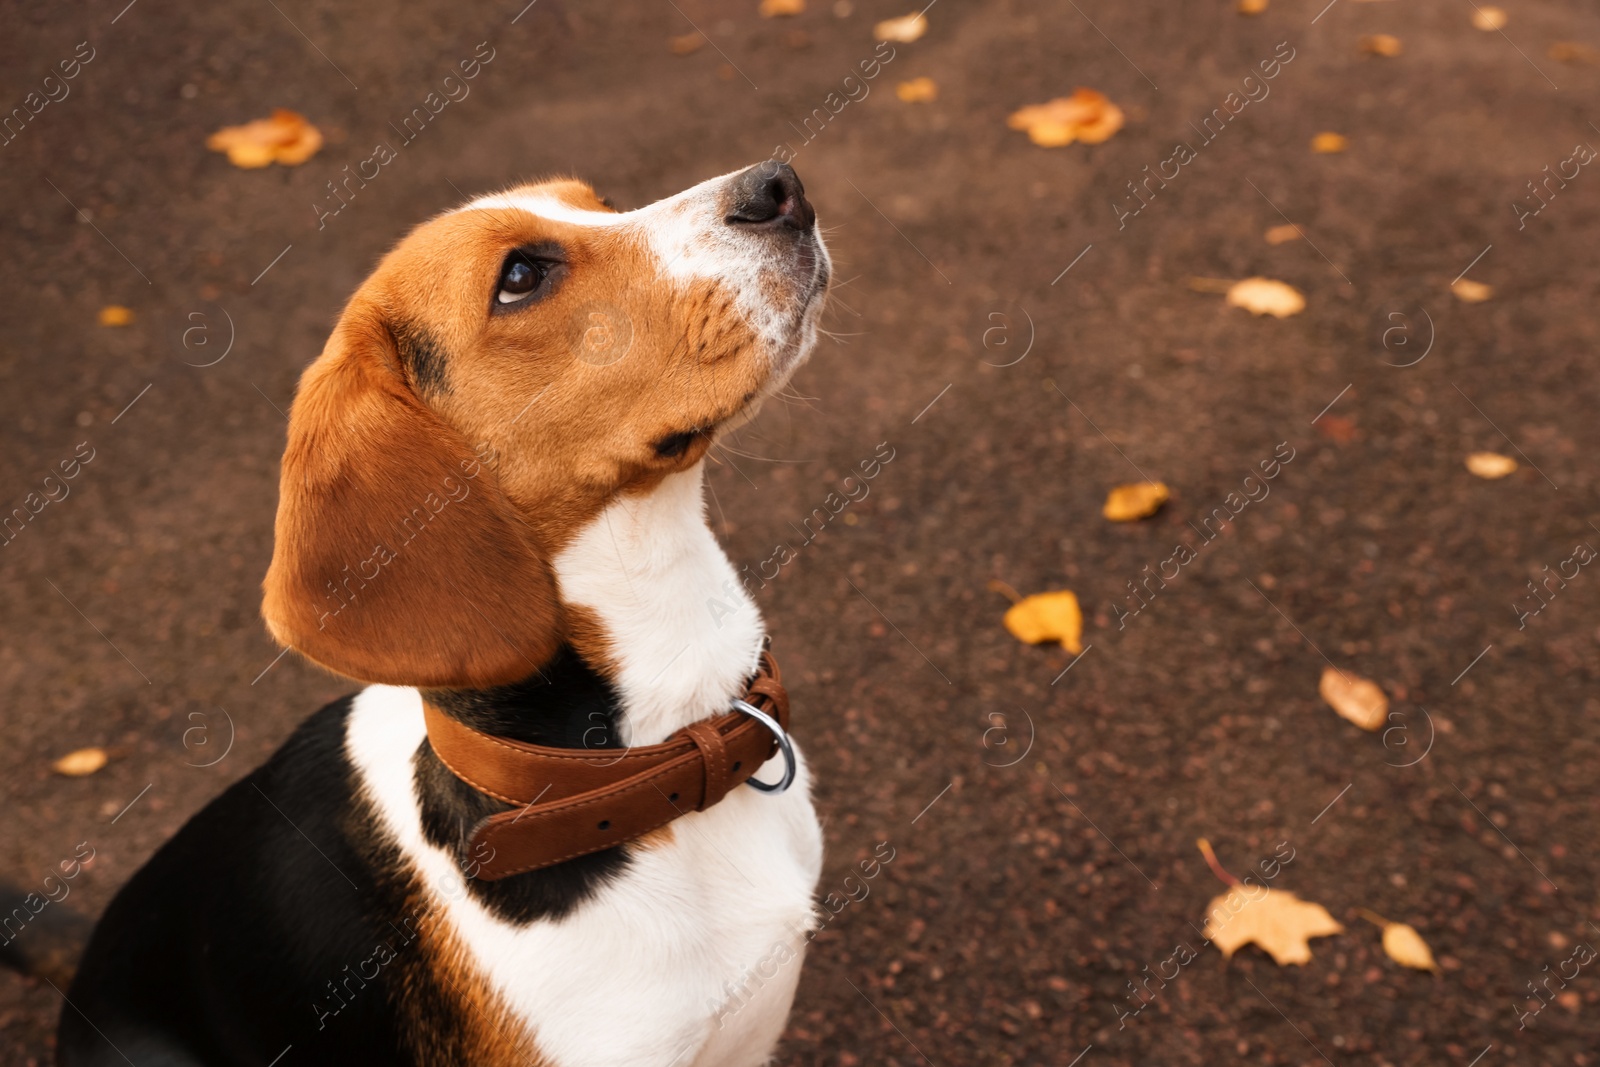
column 784, row 745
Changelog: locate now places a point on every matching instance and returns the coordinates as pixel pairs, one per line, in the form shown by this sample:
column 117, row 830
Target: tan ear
column 397, row 557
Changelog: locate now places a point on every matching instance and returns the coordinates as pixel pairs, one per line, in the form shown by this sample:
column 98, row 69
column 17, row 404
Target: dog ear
column 397, row 557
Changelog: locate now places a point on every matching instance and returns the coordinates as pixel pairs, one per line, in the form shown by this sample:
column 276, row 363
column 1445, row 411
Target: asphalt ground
column 1021, row 345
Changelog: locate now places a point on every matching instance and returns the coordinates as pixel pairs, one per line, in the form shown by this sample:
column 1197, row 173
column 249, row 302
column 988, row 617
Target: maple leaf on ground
column 1275, row 919
column 1044, row 617
column 1086, row 116
column 286, row 138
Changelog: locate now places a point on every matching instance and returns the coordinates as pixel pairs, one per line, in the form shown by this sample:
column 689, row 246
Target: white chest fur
column 691, row 957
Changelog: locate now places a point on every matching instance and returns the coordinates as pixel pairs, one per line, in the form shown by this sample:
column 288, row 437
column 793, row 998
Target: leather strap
column 571, row 802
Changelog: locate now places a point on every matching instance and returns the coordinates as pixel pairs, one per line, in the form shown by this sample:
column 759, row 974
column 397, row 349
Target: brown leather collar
column 571, row 802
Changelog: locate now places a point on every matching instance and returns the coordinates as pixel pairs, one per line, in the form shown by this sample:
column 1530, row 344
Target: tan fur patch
column 480, row 1029
column 660, row 837
column 557, row 406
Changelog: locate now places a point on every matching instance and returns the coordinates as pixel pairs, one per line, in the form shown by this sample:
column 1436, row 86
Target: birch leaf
column 1354, row 698
column 1265, row 296
column 1490, row 464
column 1137, row 500
column 906, row 28
column 1402, row 943
column 1381, row 44
column 1489, row 18
column 80, row 763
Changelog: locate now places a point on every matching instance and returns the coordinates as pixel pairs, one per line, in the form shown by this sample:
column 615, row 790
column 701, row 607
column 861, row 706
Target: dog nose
column 769, row 196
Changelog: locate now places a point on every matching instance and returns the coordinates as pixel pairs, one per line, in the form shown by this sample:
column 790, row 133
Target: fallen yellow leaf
column 77, row 764
column 1288, row 231
column 1327, row 143
column 1354, row 698
column 1276, row 919
column 1470, row 292
column 1137, row 500
column 686, row 44
column 1047, row 617
column 773, row 9
column 1490, row 464
column 1381, row 44
column 1264, row 296
column 1402, row 943
column 114, row 315
column 906, row 28
column 1574, row 52
column 1251, row 7
column 1488, row 18
column 285, row 138
column 917, row 90
column 1086, row 116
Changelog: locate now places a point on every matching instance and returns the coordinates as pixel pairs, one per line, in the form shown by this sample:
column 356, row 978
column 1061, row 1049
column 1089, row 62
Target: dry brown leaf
column 1573, row 52
column 1354, row 698
column 1264, row 296
column 82, row 762
column 1490, row 464
column 1250, row 7
column 1488, row 18
column 1381, row 44
column 1276, row 919
column 1086, row 116
column 1327, row 143
column 686, row 44
column 918, row 91
column 906, row 28
column 1287, row 231
column 1337, row 428
column 285, row 138
column 1046, row 617
column 114, row 315
column 1137, row 500
column 1470, row 292
column 1402, row 943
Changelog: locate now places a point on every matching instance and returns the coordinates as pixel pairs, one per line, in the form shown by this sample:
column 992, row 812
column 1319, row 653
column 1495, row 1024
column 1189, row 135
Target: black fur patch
column 564, row 705
column 256, row 927
column 421, row 355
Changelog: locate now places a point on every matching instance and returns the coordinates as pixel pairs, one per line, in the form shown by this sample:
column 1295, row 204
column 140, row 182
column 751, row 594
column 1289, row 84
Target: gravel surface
column 1022, row 345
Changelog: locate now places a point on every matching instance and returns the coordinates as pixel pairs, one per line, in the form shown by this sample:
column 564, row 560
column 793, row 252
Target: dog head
column 506, row 371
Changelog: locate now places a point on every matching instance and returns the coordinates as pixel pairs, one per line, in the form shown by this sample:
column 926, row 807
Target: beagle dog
column 491, row 510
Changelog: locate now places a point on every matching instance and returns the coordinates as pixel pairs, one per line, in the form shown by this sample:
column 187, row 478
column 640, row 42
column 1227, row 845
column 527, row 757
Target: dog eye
column 520, row 278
